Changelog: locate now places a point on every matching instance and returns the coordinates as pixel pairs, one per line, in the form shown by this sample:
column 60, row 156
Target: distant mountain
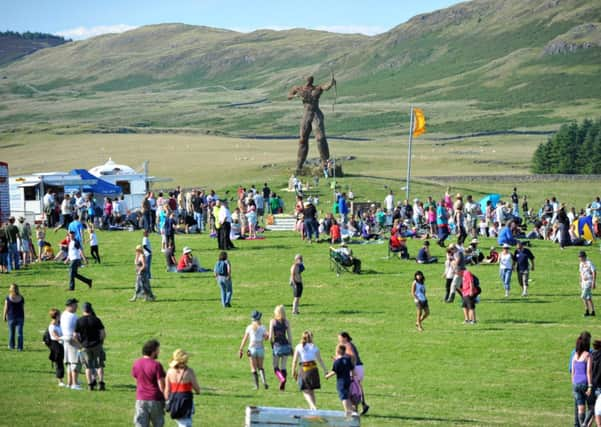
column 499, row 64
column 14, row 45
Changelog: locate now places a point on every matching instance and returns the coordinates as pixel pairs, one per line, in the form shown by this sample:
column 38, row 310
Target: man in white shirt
column 500, row 213
column 555, row 205
column 471, row 212
column 123, row 207
column 260, row 204
column 70, row 344
column 225, row 226
column 389, row 203
column 49, row 204
column 80, row 205
column 75, row 256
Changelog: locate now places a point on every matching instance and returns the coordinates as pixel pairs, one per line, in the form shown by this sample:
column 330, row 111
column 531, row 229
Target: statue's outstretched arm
column 293, row 92
column 329, row 85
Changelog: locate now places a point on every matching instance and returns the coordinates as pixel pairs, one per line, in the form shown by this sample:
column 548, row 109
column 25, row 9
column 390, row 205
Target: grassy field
column 510, row 368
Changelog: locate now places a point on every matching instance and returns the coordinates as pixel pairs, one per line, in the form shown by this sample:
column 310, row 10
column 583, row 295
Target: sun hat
column 506, row 246
column 474, row 241
column 186, row 250
column 256, row 315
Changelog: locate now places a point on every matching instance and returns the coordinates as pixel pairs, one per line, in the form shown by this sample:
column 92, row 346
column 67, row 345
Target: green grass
column 513, row 363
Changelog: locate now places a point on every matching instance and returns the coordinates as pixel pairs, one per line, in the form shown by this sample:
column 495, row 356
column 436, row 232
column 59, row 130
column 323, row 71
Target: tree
column 540, row 159
column 573, row 149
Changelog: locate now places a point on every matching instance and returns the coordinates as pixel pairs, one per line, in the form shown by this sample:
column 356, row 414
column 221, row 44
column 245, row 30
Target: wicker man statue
column 312, row 120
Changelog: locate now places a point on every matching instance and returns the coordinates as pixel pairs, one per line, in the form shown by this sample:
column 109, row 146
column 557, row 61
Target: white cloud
column 81, row 33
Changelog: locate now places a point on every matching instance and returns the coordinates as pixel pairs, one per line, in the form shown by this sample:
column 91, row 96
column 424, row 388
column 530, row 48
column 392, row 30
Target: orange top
column 180, row 387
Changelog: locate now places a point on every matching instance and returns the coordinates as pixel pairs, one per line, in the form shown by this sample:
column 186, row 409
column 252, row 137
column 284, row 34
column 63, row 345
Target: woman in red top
column 180, row 381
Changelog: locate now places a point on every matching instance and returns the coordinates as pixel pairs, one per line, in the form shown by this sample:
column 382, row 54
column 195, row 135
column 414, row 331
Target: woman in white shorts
column 345, row 339
column 596, row 381
column 255, row 334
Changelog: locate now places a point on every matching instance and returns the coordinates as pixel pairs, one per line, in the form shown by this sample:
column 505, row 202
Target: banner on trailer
column 4, row 193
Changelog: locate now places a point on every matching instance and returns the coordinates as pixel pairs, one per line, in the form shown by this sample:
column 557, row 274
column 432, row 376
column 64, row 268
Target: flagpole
column 411, row 124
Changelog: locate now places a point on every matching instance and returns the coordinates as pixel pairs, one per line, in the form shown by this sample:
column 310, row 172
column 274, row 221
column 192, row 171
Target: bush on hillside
column 574, row 149
column 33, row 36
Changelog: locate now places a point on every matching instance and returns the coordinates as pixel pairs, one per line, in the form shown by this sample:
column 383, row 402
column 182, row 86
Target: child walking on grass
column 343, row 368
column 418, row 292
column 94, row 244
column 588, row 282
column 40, row 234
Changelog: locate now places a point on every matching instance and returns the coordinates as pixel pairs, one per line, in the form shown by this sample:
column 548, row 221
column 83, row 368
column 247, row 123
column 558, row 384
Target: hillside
column 15, row 45
column 477, row 66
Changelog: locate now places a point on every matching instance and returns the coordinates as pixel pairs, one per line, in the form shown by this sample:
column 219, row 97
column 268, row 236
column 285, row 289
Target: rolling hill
column 14, row 45
column 476, row 66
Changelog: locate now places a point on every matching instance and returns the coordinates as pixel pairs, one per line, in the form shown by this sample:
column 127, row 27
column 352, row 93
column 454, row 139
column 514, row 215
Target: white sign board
column 264, row 416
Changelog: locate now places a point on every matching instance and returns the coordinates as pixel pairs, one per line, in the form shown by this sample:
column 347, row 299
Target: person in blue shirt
column 523, row 258
column 442, row 223
column 423, row 255
column 506, row 234
column 77, row 227
column 343, row 208
column 343, row 368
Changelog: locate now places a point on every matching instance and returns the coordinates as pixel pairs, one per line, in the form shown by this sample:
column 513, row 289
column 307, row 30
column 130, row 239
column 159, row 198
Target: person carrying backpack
column 223, row 274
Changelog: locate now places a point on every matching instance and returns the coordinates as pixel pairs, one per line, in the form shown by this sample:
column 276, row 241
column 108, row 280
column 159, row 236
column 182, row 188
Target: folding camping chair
column 338, row 263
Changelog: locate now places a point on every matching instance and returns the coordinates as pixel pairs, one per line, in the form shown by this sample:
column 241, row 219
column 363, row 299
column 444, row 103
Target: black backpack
column 47, row 339
column 222, row 268
column 476, row 283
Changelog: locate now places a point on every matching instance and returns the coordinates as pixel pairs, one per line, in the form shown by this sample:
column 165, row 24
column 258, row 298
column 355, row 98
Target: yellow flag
column 419, row 122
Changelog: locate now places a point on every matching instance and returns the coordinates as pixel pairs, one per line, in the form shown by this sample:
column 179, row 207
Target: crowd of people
column 78, row 341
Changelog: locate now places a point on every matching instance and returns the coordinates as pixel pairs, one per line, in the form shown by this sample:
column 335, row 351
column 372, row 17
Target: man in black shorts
column 89, row 331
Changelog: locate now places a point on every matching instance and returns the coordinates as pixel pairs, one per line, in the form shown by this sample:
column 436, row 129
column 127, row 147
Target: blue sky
column 79, row 19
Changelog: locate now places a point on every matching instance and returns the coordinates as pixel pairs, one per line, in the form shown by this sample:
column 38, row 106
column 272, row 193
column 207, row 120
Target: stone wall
column 509, row 178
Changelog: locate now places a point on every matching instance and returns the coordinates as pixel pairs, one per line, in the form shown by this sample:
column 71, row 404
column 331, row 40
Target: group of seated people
column 473, row 255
